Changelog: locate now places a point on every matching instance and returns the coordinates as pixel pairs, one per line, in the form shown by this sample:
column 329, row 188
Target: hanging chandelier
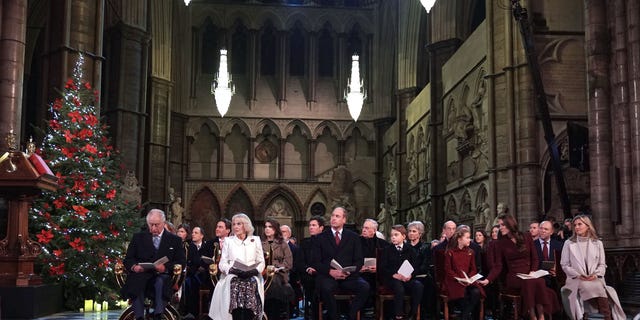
column 186, row 2
column 355, row 94
column 222, row 88
column 428, row 4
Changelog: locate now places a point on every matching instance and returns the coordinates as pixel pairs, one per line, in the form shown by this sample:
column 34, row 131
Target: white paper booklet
column 406, row 269
column 152, row 265
column 337, row 266
column 369, row 262
column 244, row 267
column 468, row 280
column 533, row 274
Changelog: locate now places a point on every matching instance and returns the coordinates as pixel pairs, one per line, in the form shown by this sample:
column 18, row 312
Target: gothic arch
column 288, row 195
column 237, row 17
column 275, row 130
column 365, row 130
column 200, row 17
column 333, row 128
column 360, row 24
column 227, row 127
column 288, row 130
column 316, row 196
column 298, row 17
column 466, row 208
column 239, row 200
column 270, row 16
column 482, row 197
column 194, row 126
column 204, row 210
column 330, row 20
column 451, row 212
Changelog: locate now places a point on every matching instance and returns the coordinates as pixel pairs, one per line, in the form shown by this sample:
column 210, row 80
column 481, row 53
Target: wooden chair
column 385, row 294
column 339, row 295
column 204, row 294
column 513, row 299
column 170, row 311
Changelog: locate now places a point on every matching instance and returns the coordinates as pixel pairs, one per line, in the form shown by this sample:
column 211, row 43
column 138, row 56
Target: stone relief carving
column 412, row 160
column 130, row 190
column 341, row 190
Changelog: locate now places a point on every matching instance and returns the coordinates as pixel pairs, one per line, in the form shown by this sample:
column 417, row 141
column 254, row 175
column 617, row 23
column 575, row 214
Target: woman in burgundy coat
column 458, row 261
column 516, row 254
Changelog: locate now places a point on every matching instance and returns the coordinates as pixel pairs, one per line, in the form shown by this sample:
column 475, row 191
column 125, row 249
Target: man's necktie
column 399, row 248
column 156, row 242
column 545, row 251
column 337, row 238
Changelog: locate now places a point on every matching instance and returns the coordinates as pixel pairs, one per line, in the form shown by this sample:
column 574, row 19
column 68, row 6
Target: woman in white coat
column 239, row 294
column 583, row 261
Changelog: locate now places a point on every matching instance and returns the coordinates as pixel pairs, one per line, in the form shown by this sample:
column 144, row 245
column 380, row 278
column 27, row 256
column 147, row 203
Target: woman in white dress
column 239, row 295
column 583, row 261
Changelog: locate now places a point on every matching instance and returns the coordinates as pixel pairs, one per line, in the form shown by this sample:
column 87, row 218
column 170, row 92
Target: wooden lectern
column 22, row 178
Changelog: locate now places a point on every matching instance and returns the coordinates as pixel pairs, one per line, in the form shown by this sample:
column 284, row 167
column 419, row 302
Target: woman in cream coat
column 583, row 261
column 244, row 247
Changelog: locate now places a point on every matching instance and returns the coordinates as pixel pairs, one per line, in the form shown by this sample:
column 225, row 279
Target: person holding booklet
column 279, row 262
column 343, row 246
column 239, row 295
column 516, row 254
column 198, row 261
column 461, row 275
column 583, row 261
column 398, row 265
column 161, row 251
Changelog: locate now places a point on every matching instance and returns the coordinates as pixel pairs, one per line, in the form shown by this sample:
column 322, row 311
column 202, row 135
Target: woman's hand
column 588, row 278
column 483, row 282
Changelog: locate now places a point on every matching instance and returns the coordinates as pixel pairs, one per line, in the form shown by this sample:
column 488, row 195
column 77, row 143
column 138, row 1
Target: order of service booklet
column 468, row 280
column 337, row 266
column 152, row 265
column 533, row 274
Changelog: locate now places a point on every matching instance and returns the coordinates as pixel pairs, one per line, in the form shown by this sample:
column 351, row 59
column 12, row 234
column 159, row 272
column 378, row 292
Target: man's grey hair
column 375, row 223
column 154, row 212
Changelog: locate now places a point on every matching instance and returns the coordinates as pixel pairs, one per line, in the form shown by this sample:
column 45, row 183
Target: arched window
column 210, row 54
column 239, row 50
column 268, row 51
column 297, row 52
column 325, row 53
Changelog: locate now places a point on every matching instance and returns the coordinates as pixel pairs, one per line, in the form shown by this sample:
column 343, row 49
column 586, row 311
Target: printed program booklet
column 533, row 274
column 152, row 265
column 468, row 280
column 337, row 266
column 406, row 269
column 244, row 267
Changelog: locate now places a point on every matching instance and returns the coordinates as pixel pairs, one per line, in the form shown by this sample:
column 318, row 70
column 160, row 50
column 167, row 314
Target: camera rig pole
column 520, row 15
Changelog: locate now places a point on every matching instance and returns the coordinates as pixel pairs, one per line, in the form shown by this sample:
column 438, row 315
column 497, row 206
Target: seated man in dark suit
column 302, row 265
column 197, row 270
column 371, row 246
column 344, row 246
column 149, row 246
column 547, row 256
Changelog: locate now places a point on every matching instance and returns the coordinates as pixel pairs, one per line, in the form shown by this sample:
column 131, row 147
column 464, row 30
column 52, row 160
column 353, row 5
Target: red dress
column 512, row 261
column 455, row 262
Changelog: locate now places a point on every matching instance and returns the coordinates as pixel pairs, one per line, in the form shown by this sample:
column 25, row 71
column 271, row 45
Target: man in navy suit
column 553, row 247
column 344, row 246
column 149, row 246
column 197, row 270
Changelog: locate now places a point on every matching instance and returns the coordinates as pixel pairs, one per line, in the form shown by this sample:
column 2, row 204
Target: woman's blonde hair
column 248, row 226
column 591, row 232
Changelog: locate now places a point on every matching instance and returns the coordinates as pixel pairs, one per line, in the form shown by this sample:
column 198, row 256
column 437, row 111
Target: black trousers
column 327, row 285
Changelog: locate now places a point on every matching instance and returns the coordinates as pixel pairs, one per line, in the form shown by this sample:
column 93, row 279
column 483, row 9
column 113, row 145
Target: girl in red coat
column 458, row 261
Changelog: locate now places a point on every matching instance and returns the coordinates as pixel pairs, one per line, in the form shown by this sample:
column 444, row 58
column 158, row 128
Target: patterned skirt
column 244, row 294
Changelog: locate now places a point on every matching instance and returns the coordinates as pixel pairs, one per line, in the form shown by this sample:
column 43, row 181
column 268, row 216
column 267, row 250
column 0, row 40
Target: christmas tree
column 84, row 225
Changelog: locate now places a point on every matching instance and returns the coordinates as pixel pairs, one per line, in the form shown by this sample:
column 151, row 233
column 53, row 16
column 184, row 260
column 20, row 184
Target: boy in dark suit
column 344, row 246
column 149, row 246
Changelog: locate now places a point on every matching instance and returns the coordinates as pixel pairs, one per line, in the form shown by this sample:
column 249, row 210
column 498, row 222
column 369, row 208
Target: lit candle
column 97, row 306
column 105, row 306
column 88, row 305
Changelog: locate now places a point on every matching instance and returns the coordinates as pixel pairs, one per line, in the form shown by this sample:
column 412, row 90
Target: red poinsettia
column 58, row 253
column 91, row 149
column 68, row 136
column 60, row 202
column 45, row 236
column 80, row 210
column 57, row 104
column 57, row 270
column 99, row 236
column 91, row 120
column 77, row 244
column 55, row 125
column 85, row 133
column 111, row 194
column 75, row 116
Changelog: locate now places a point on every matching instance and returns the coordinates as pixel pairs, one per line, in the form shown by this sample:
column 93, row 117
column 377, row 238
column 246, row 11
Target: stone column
column 253, row 67
column 313, row 67
column 220, row 166
column 600, row 149
column 311, row 169
column 12, row 49
column 281, row 158
column 251, row 157
column 281, row 71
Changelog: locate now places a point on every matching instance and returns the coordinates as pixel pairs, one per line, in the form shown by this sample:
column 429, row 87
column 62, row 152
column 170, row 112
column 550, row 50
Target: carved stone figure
column 341, row 189
column 383, row 219
column 131, row 191
column 177, row 210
